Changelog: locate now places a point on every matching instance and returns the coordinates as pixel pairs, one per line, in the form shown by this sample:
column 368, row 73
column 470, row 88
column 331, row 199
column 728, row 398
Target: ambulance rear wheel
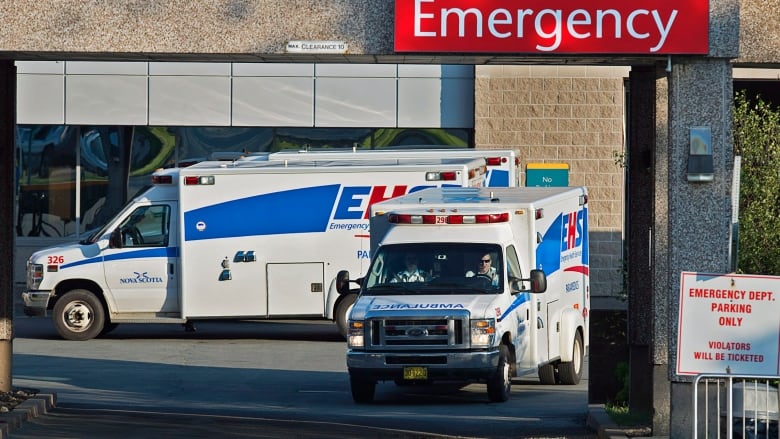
column 547, row 374
column 570, row 372
column 362, row 389
column 499, row 384
column 342, row 312
column 78, row 315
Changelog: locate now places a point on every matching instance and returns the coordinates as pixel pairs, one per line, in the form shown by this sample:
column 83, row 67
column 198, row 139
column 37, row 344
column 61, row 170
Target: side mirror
column 342, row 282
column 538, row 281
column 115, row 240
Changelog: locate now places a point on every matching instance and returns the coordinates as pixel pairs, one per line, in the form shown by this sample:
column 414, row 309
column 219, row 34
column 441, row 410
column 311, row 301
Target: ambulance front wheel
column 570, row 372
column 499, row 384
column 78, row 315
column 343, row 309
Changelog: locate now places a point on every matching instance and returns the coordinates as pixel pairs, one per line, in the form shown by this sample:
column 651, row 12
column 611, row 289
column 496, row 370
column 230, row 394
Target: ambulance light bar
column 495, row 161
column 192, row 180
column 441, row 176
column 162, row 179
column 488, row 218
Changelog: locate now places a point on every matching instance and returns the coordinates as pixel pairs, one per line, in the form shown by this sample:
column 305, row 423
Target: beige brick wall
column 572, row 115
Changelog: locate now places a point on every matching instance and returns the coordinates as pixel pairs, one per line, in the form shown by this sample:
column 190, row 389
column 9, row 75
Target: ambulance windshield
column 436, row 268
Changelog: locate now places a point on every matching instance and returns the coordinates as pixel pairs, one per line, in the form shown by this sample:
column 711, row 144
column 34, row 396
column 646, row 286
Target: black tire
column 547, row 374
column 570, row 372
column 342, row 312
column 499, row 384
column 362, row 389
column 79, row 315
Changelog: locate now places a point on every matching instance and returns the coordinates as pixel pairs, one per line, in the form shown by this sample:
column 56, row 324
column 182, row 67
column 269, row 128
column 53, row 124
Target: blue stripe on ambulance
column 519, row 300
column 498, row 178
column 157, row 252
column 585, row 242
column 302, row 210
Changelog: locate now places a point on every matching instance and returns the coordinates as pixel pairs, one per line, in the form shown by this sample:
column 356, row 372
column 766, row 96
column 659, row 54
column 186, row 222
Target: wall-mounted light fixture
column 700, row 168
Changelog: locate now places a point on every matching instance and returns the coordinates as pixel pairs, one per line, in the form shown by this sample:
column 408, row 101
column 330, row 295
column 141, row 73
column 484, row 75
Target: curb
column 600, row 422
column 33, row 407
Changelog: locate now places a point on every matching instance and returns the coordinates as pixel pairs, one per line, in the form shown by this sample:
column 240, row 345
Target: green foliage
column 757, row 140
column 622, row 415
column 621, row 372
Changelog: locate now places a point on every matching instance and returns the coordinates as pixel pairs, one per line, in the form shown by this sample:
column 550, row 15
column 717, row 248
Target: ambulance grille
column 443, row 333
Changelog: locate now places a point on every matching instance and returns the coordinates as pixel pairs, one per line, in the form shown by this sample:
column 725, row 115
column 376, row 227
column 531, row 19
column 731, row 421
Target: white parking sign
column 728, row 322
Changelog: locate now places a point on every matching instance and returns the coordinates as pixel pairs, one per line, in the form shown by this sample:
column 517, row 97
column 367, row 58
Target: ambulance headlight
column 356, row 334
column 34, row 275
column 483, row 332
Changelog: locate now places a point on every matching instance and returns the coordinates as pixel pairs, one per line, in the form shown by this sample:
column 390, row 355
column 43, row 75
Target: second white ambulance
column 473, row 284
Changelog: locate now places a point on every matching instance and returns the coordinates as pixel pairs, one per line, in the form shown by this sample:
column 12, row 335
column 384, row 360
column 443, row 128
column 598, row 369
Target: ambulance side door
column 141, row 263
column 523, row 315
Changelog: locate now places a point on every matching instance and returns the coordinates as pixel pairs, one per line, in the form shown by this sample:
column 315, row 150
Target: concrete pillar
column 647, row 239
column 7, row 203
column 700, row 95
column 661, row 245
column 674, row 224
column 639, row 227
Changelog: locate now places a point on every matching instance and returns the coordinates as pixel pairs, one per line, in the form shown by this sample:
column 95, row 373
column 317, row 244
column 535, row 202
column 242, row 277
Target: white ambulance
column 228, row 240
column 503, row 166
column 473, row 284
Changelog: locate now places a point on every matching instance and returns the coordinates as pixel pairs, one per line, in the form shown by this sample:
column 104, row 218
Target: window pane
column 47, row 180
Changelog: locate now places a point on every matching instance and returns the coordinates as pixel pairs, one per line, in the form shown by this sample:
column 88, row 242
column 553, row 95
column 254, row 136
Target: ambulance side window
column 147, row 226
column 513, row 269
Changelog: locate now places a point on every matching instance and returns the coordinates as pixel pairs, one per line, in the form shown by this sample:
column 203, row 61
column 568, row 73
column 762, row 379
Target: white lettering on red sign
column 551, row 26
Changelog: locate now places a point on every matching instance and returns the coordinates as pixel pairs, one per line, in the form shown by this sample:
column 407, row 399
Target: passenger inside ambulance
column 446, row 267
column 411, row 272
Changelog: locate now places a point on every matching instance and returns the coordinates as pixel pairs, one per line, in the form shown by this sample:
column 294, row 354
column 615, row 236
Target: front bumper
column 467, row 365
column 36, row 302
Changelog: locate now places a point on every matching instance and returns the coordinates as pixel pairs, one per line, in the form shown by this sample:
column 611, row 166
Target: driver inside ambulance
column 485, row 269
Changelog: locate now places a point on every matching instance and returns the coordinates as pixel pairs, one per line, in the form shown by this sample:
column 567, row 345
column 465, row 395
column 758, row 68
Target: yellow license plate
column 415, row 373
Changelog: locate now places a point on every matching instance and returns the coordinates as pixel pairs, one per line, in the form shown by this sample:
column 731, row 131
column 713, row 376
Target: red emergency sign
column 553, row 26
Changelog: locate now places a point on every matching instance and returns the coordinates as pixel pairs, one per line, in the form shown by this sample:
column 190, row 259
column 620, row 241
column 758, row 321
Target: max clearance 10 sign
column 651, row 27
column 729, row 322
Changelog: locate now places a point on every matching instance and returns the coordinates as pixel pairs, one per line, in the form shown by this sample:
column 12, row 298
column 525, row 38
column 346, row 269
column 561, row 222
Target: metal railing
column 735, row 406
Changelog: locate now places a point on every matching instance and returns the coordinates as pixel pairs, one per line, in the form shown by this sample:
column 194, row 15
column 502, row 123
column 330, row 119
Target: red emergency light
column 162, row 179
column 486, row 218
column 495, row 161
column 194, row 180
column 441, row 176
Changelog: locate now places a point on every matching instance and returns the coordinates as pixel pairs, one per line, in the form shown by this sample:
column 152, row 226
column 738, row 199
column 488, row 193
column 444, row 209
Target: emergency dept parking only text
column 729, row 322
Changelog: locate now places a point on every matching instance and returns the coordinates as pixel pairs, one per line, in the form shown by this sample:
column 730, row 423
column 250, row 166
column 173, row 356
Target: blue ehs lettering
column 349, row 207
